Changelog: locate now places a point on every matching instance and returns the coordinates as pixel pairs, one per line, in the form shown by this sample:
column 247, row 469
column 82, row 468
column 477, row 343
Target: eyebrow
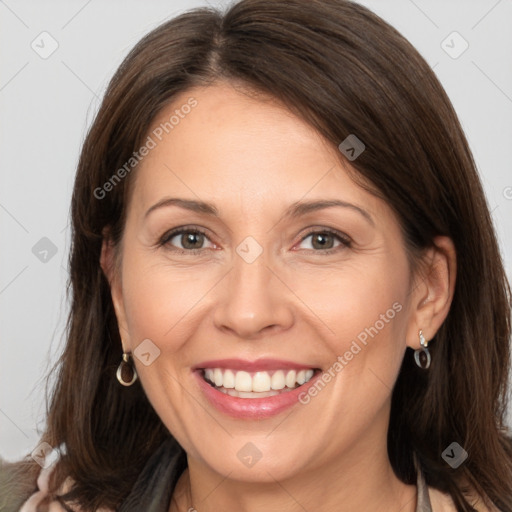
column 302, row 208
column 295, row 210
column 188, row 204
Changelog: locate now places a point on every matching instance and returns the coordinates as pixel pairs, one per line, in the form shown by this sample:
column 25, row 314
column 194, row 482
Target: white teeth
column 290, row 378
column 217, row 377
column 257, row 384
column 243, row 382
column 261, row 382
column 229, row 379
column 278, row 380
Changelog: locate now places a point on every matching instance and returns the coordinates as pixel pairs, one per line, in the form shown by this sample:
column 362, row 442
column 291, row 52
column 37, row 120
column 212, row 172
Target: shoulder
column 442, row 502
column 16, row 484
column 40, row 495
column 25, row 489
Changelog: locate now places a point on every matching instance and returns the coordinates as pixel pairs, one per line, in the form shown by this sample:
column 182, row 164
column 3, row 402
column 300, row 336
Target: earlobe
column 433, row 291
column 108, row 265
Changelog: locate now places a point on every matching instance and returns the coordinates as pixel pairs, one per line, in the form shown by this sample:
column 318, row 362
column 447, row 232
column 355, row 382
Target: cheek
column 364, row 319
column 355, row 297
column 362, row 308
column 160, row 299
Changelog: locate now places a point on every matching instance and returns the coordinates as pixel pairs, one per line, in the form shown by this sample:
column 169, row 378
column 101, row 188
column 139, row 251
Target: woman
column 287, row 291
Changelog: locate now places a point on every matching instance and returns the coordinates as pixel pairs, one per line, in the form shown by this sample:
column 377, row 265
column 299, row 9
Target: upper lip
column 253, row 366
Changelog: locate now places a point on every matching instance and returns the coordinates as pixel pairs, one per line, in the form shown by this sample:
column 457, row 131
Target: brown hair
column 343, row 70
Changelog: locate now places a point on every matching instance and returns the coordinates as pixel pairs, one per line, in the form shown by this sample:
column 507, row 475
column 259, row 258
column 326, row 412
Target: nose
column 253, row 302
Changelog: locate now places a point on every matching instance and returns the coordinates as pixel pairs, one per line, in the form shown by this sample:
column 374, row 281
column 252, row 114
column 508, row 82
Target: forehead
column 240, row 150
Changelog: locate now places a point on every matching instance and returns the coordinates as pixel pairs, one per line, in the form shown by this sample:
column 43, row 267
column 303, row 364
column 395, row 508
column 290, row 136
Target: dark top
column 155, row 485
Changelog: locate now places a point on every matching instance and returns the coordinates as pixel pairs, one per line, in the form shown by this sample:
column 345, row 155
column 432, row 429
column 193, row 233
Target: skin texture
column 253, row 159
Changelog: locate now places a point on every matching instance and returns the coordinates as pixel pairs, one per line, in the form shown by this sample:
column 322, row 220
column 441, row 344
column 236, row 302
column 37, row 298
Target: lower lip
column 252, row 408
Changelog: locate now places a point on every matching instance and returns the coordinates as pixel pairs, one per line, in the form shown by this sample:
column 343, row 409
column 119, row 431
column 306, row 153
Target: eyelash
column 344, row 239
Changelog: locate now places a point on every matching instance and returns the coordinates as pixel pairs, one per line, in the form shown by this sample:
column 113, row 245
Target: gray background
column 47, row 103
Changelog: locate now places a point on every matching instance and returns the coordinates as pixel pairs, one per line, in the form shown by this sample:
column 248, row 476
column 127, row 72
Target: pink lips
column 253, row 366
column 252, row 408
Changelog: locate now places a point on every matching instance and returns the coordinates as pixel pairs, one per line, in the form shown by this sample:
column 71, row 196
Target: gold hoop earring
column 126, row 373
column 422, row 355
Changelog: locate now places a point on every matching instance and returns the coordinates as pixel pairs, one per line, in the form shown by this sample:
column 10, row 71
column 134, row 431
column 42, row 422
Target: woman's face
column 252, row 259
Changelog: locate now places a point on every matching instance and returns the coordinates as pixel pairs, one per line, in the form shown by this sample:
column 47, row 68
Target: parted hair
column 343, row 70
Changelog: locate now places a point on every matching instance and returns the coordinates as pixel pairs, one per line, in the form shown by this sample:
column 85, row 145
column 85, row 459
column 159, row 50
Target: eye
column 186, row 240
column 325, row 240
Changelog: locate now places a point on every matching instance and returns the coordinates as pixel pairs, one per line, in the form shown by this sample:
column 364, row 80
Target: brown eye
column 186, row 240
column 192, row 240
column 324, row 240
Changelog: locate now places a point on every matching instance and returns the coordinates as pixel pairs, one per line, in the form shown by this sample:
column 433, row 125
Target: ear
column 112, row 273
column 432, row 291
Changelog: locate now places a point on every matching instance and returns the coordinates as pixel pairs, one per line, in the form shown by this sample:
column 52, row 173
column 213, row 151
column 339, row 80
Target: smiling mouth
column 260, row 384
